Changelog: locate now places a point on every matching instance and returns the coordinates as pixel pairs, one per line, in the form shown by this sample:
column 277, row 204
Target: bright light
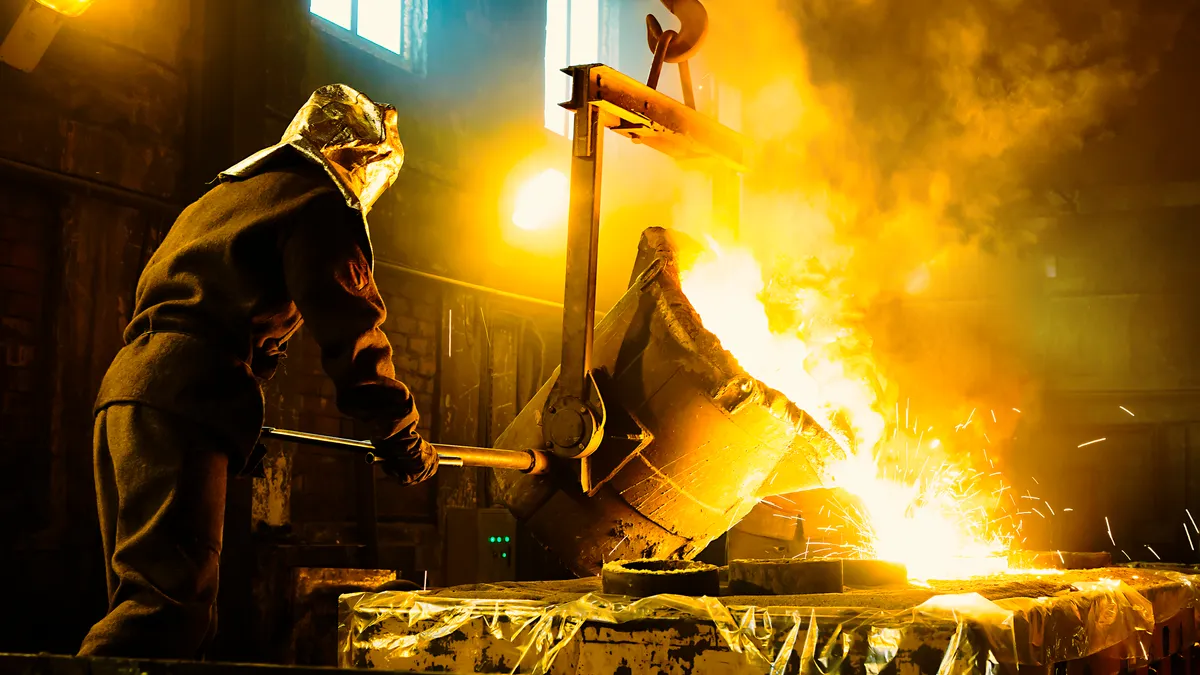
column 334, row 11
column 542, row 201
column 572, row 38
column 68, row 7
column 379, row 21
column 933, row 519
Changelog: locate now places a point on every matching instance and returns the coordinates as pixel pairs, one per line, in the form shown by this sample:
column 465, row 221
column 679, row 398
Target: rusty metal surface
column 785, row 577
column 644, row 578
column 655, row 119
column 574, row 419
column 315, row 593
column 717, row 435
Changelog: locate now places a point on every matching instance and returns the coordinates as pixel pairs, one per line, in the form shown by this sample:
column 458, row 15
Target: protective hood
column 353, row 138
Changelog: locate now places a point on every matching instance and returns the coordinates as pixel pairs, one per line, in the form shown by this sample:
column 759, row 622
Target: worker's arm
column 331, row 283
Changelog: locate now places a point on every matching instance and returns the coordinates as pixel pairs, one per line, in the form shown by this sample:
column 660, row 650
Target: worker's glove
column 407, row 458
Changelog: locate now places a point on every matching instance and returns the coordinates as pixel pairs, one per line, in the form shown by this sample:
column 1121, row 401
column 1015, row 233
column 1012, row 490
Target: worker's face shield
column 357, row 138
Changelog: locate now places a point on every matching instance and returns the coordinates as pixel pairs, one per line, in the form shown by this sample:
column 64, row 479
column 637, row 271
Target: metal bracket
column 573, row 418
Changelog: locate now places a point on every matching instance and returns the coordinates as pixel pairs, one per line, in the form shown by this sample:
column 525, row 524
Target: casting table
column 1102, row 621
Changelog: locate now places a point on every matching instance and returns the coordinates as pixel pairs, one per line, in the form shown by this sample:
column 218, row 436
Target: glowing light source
column 67, row 7
column 541, row 203
column 337, row 12
column 380, row 21
column 572, row 38
column 935, row 520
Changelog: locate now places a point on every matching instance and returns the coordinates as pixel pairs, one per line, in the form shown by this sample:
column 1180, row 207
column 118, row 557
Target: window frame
column 351, row 37
column 607, row 42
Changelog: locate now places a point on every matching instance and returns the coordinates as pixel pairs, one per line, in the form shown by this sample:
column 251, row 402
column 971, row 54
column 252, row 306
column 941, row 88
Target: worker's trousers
column 160, row 489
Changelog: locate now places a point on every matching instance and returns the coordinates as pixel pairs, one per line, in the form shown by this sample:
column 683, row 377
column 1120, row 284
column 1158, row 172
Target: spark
column 425, row 584
column 614, row 548
column 1156, row 555
column 1083, row 445
column 1189, row 536
column 1061, row 558
column 1127, row 410
column 1109, row 528
column 1126, row 556
column 1039, row 513
column 993, row 415
column 1035, row 480
column 1068, row 510
column 1016, row 411
column 1189, row 515
column 1050, row 507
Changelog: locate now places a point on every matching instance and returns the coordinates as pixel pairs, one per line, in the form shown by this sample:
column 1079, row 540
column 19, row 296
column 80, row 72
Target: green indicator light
column 492, row 539
column 503, row 555
column 506, row 540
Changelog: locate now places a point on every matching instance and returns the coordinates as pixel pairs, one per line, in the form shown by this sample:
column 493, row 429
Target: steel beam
column 648, row 116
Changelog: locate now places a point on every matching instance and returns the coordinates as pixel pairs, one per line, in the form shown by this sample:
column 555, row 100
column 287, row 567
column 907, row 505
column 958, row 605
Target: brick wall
column 106, row 105
column 26, row 238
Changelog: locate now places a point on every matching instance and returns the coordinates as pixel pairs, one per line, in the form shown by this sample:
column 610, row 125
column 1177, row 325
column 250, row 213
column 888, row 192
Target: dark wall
column 134, row 108
column 91, row 158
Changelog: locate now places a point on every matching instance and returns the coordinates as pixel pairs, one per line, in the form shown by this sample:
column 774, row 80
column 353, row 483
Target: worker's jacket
column 233, row 280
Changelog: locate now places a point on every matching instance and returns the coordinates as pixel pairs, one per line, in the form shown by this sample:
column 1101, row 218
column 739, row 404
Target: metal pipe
column 468, row 285
column 526, row 461
column 685, row 81
column 88, row 186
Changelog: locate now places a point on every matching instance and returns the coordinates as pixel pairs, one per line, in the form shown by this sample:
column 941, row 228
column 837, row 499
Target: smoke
column 901, row 143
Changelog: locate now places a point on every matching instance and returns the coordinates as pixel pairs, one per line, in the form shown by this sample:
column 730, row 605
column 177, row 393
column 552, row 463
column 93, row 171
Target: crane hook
column 670, row 46
column 693, row 25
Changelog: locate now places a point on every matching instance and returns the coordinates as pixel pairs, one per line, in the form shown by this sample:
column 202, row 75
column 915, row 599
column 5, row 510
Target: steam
column 900, row 141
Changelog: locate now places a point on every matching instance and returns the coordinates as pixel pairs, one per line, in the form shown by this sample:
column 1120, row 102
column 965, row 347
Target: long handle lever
column 525, row 461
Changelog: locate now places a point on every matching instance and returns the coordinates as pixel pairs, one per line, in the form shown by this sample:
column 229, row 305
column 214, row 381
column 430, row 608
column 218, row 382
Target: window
column 398, row 26
column 577, row 32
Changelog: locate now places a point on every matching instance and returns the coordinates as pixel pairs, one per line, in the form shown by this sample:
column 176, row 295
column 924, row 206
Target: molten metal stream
column 936, row 519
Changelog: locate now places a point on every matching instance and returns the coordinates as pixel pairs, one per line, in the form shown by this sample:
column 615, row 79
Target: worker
column 281, row 240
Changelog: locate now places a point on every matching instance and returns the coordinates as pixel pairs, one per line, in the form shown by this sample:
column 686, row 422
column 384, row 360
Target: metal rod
column 88, row 186
column 660, row 55
column 685, row 81
column 579, row 294
column 468, row 285
column 527, row 461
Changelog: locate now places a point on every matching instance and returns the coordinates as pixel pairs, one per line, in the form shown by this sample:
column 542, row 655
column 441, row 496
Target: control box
column 481, row 546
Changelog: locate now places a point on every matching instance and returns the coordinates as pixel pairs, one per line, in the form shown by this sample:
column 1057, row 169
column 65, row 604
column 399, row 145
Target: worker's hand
column 408, row 459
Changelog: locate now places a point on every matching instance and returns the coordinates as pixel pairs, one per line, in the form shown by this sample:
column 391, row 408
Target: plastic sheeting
column 945, row 635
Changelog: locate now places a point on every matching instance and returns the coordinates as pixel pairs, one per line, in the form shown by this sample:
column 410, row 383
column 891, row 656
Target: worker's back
column 214, row 308
column 219, row 272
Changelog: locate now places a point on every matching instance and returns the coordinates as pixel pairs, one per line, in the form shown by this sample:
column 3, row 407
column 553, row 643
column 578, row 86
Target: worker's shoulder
column 285, row 178
column 297, row 178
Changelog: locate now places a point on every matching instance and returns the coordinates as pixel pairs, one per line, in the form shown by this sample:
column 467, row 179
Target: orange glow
column 936, row 520
column 541, row 203
column 67, row 7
